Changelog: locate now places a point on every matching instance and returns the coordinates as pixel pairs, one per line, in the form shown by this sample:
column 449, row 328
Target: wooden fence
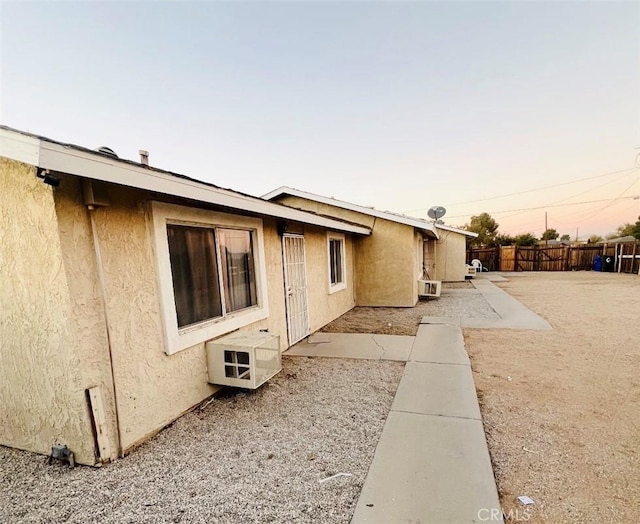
column 621, row 258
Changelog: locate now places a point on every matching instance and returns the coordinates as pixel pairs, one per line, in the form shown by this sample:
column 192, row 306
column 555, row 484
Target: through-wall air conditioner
column 429, row 288
column 471, row 272
column 243, row 359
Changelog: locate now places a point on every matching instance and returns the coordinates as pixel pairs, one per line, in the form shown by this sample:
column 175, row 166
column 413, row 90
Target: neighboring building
column 114, row 274
column 400, row 250
column 619, row 240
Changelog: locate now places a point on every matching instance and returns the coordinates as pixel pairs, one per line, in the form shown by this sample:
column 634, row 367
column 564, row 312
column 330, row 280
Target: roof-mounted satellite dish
column 436, row 212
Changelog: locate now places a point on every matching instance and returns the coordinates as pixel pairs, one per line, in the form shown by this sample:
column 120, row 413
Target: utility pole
column 576, row 234
column 546, row 228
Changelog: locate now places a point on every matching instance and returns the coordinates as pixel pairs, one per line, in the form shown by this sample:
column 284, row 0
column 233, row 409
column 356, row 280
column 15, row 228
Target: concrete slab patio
column 513, row 314
column 354, row 345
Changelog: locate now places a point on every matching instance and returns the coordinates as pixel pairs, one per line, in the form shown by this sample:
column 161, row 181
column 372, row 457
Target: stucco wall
column 450, row 256
column 42, row 388
column 154, row 388
column 385, row 262
column 53, row 334
column 386, row 273
column 86, row 318
column 326, row 209
column 324, row 306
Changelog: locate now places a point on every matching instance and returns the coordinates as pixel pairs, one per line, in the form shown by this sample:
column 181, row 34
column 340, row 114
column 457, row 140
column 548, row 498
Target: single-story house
column 114, row 275
column 400, row 250
column 619, row 240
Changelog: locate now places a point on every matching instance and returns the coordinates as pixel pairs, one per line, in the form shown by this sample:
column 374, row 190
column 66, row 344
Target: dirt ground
column 561, row 409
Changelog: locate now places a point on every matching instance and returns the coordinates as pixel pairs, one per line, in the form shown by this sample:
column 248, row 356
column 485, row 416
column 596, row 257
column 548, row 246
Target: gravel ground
column 245, row 457
column 459, row 299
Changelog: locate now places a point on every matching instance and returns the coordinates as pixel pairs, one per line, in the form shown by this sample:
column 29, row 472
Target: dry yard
column 561, row 410
column 255, row 457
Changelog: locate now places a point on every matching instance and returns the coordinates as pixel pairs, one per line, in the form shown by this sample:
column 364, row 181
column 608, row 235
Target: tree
column 485, row 226
column 635, row 230
column 594, row 239
column 504, row 240
column 565, row 237
column 624, row 230
column 550, row 234
column 525, row 239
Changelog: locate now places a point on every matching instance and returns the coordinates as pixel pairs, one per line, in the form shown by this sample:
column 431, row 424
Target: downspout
column 103, row 296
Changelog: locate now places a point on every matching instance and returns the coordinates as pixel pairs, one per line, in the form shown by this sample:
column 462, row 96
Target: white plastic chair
column 478, row 265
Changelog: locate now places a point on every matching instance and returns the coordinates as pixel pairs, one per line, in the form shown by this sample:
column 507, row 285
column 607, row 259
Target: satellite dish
column 436, row 212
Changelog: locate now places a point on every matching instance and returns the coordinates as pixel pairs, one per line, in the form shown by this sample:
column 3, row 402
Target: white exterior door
column 295, row 284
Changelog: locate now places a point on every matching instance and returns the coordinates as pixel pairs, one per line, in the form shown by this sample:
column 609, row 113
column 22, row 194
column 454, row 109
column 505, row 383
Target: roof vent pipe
column 107, row 151
column 144, row 157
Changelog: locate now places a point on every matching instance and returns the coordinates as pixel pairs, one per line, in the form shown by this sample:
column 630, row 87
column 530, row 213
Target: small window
column 337, row 267
column 335, row 254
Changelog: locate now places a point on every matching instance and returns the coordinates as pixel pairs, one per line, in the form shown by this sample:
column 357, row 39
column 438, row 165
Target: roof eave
column 53, row 156
column 410, row 221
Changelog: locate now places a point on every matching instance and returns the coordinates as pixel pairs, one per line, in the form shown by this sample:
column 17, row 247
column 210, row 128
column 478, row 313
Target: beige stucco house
column 114, row 275
column 400, row 250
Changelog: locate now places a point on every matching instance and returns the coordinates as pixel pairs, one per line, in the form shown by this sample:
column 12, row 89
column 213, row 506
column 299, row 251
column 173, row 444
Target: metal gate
column 295, row 283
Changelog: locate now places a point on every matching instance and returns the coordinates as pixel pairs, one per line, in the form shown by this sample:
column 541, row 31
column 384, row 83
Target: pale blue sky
column 392, row 104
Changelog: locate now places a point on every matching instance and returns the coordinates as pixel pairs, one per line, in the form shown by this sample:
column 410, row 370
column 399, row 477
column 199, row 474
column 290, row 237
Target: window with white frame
column 337, row 264
column 211, row 271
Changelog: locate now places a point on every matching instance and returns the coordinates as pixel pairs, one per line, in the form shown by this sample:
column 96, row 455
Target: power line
column 582, row 214
column 619, row 197
column 635, row 197
column 532, row 190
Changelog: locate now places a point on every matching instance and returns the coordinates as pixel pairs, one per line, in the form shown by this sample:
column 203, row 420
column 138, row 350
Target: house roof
column 55, row 156
column 420, row 223
column 618, row 240
column 456, row 230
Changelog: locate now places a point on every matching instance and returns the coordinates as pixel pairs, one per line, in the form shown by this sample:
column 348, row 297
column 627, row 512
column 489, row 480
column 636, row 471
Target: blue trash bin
column 597, row 263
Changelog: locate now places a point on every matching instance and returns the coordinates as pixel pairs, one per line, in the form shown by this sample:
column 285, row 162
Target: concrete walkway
column 432, row 463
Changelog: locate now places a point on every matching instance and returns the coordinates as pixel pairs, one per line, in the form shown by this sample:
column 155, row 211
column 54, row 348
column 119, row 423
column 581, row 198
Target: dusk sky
column 397, row 105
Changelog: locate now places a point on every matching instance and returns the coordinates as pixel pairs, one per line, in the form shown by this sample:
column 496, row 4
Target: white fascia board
column 57, row 157
column 22, row 148
column 457, row 230
column 410, row 221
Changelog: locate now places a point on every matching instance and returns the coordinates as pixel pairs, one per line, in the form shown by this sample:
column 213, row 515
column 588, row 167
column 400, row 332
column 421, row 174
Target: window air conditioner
column 429, row 288
column 471, row 272
column 243, row 359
